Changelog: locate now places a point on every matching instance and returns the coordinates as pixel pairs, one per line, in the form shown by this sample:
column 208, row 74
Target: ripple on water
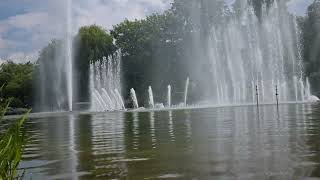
column 213, row 143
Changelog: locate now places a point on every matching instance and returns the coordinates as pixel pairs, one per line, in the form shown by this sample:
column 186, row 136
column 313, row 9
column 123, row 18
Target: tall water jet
column 186, row 92
column 54, row 91
column 134, row 98
column 105, row 77
column 69, row 66
column 169, row 96
column 151, row 100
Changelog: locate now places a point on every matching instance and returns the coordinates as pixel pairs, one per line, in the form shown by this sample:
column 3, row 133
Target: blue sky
column 28, row 25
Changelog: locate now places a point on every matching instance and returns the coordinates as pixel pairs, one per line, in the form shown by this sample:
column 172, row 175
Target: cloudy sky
column 28, row 25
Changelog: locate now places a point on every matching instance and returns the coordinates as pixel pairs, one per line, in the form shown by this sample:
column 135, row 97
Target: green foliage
column 156, row 50
column 151, row 48
column 311, row 45
column 17, row 81
column 91, row 44
column 12, row 143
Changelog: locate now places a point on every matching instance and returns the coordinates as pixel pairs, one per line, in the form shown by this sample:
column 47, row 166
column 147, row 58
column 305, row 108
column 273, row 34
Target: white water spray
column 120, row 98
column 134, row 98
column 169, row 96
column 243, row 48
column 105, row 85
column 186, row 92
column 69, row 68
column 151, row 100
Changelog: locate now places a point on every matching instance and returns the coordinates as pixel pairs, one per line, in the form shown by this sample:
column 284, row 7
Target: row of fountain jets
column 114, row 101
column 102, row 101
column 151, row 99
column 105, row 88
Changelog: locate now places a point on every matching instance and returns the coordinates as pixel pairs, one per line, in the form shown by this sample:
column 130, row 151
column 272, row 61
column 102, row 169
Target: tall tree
column 150, row 49
column 91, row 44
column 16, row 80
column 311, row 45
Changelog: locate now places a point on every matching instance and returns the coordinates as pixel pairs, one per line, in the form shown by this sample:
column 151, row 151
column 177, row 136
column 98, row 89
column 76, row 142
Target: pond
column 242, row 142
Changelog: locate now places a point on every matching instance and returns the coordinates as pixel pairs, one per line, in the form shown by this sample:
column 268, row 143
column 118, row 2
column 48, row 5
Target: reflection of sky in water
column 202, row 143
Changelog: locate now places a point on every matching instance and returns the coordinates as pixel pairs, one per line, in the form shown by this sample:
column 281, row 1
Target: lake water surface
column 213, row 143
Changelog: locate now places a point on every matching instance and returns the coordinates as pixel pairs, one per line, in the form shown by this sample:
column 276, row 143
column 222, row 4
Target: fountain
column 69, row 68
column 120, row 98
column 151, row 100
column 54, row 81
column 243, row 51
column 169, row 96
column 134, row 98
column 105, row 84
column 186, row 92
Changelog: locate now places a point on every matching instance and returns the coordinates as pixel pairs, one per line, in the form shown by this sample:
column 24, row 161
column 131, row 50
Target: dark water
column 218, row 143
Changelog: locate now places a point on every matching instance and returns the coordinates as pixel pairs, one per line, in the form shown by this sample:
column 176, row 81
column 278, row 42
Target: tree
column 311, row 44
column 91, row 44
column 150, row 50
column 17, row 81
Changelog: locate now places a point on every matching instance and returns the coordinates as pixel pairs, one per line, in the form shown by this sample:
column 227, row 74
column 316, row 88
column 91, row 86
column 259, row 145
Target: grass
column 12, row 142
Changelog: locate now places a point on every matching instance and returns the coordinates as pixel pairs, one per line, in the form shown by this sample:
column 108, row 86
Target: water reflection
column 220, row 143
column 171, row 128
column 153, row 130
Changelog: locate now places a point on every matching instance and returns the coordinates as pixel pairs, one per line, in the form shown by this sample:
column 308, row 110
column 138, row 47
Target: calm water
column 217, row 143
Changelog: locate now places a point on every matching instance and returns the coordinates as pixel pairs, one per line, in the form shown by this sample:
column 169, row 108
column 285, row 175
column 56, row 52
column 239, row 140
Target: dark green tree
column 150, row 48
column 311, row 45
column 17, row 84
column 91, row 44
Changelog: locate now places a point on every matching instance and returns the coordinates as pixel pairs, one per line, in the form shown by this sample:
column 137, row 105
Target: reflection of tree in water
column 48, row 152
column 107, row 146
column 84, row 144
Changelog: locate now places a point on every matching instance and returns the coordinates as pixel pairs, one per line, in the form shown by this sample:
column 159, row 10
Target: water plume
column 169, row 96
column 134, row 98
column 186, row 92
column 151, row 100
column 105, row 77
column 245, row 50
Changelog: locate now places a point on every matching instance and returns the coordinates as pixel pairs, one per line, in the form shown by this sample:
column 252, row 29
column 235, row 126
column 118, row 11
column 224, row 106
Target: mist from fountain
column 151, row 100
column 245, row 51
column 105, row 85
column 54, row 80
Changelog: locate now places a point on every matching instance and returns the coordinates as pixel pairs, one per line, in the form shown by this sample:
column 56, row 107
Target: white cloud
column 43, row 20
column 27, row 20
column 109, row 13
column 299, row 7
column 20, row 57
column 3, row 44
